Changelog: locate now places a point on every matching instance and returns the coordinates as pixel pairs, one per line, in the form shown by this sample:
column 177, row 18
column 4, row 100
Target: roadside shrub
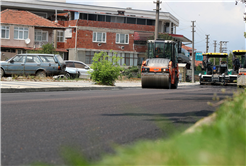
column 46, row 49
column 130, row 75
column 131, row 72
column 105, row 68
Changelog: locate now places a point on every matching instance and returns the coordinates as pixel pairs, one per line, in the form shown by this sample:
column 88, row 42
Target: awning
column 31, row 48
column 144, row 36
column 61, row 50
column 180, row 38
column 17, row 47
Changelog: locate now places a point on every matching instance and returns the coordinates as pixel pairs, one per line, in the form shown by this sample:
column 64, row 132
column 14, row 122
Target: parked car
column 73, row 66
column 41, row 65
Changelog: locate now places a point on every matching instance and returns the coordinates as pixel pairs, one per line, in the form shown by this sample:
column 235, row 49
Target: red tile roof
column 197, row 63
column 187, row 48
column 18, row 17
column 63, row 14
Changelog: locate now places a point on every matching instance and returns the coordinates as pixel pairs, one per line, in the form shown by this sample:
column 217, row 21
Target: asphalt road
column 36, row 125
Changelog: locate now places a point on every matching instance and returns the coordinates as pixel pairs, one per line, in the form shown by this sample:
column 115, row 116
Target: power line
column 175, row 12
column 200, row 29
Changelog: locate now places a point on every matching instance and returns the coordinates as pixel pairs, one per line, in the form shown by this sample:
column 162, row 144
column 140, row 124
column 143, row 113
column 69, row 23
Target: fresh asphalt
column 36, row 125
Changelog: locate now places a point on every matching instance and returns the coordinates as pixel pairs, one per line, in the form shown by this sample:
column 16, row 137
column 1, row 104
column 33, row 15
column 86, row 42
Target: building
column 90, row 29
column 23, row 30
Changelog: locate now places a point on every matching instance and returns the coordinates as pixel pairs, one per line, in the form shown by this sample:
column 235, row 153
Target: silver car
column 78, row 68
column 41, row 65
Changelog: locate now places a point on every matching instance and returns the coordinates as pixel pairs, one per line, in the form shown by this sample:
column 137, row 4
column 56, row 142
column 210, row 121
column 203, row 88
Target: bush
column 46, row 49
column 198, row 68
column 105, row 68
column 129, row 72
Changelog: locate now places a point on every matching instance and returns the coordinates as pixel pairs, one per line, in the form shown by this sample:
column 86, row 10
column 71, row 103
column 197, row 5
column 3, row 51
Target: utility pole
column 157, row 18
column 220, row 46
column 193, row 56
column 223, row 47
column 207, row 47
column 214, row 49
column 220, row 51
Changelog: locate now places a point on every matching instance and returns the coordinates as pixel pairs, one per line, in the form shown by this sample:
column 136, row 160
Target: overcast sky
column 221, row 19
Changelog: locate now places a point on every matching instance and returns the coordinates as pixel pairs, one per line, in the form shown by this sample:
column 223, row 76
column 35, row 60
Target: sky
column 222, row 20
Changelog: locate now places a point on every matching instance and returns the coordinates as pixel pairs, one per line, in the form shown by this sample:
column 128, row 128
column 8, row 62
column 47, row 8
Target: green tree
column 164, row 36
column 245, row 34
column 46, row 49
column 198, row 68
column 106, row 69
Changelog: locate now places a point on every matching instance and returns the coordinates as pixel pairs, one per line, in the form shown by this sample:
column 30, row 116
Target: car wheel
column 2, row 72
column 41, row 74
column 67, row 75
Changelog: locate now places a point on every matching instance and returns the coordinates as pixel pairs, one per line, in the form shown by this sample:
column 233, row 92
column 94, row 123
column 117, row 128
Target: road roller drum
column 156, row 81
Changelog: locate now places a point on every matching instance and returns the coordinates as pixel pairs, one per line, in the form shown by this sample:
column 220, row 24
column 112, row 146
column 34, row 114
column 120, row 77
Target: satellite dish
column 27, row 41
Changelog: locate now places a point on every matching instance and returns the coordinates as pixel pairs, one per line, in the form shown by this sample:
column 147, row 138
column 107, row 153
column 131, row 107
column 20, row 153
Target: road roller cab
column 239, row 66
column 160, row 70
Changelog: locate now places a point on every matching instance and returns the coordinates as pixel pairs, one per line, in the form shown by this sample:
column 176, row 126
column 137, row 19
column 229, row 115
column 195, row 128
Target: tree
column 106, row 69
column 245, row 34
column 46, row 49
column 164, row 36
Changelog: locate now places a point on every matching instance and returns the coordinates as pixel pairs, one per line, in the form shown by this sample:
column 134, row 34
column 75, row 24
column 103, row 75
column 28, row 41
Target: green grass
column 223, row 142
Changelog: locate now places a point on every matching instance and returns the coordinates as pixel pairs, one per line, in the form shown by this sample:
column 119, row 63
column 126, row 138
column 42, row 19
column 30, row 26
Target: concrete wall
column 18, row 43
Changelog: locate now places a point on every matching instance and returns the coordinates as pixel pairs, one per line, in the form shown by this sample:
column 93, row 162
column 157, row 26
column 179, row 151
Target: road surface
column 36, row 125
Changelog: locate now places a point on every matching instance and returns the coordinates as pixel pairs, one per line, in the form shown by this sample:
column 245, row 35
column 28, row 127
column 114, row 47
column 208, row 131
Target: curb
column 85, row 88
column 20, row 90
column 206, row 121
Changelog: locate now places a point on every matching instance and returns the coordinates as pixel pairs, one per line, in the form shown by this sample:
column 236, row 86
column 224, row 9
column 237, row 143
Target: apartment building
column 23, row 30
column 90, row 29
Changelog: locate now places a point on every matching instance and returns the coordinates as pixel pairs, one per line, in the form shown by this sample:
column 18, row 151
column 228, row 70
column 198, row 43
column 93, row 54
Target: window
column 20, row 33
column 4, row 32
column 122, row 38
column 60, row 36
column 41, row 35
column 79, row 65
column 99, row 37
column 19, row 58
column 69, row 64
column 21, row 51
column 45, row 58
column 32, row 59
column 89, row 56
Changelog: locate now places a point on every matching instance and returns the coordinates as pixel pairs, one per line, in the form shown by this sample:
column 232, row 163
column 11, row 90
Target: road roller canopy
column 215, row 55
column 162, row 49
column 239, row 52
column 241, row 56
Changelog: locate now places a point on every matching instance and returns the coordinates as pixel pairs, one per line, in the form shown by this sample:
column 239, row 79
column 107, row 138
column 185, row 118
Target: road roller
column 160, row 69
